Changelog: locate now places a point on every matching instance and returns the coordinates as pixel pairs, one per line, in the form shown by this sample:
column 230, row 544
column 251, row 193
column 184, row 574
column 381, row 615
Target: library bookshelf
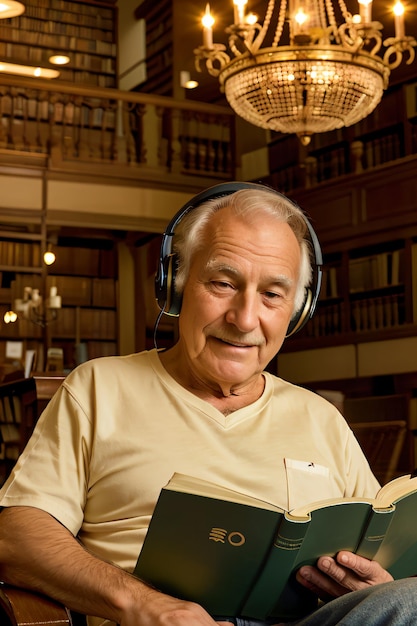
column 86, row 280
column 86, row 31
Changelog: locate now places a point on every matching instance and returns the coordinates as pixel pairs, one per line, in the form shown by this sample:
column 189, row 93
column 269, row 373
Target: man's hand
column 346, row 572
column 159, row 609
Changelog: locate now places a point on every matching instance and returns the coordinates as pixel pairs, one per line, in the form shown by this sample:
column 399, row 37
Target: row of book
column 377, row 313
column 376, row 271
column 75, row 13
column 80, row 60
column 20, row 254
column 86, row 115
column 370, row 314
column 327, row 321
column 55, row 40
column 62, row 28
column 381, row 149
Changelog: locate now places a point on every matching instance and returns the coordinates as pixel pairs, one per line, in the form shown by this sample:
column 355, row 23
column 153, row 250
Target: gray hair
column 189, row 235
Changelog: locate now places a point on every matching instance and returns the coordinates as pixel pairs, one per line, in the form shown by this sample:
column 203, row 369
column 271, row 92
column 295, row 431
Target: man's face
column 238, row 299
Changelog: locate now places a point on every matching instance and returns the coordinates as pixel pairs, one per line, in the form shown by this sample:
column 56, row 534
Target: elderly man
column 237, row 269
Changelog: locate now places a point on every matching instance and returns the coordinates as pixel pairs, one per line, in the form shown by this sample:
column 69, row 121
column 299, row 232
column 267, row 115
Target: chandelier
column 310, row 68
column 34, row 308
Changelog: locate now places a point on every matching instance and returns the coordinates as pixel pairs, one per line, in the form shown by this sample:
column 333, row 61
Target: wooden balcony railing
column 77, row 124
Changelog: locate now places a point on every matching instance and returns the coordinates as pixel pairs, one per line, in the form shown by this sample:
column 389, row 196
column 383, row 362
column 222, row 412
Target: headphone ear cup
column 168, row 300
column 303, row 315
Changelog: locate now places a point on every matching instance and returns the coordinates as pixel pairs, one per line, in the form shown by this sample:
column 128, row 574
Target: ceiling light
column 28, row 70
column 9, row 8
column 321, row 69
column 186, row 82
column 59, row 59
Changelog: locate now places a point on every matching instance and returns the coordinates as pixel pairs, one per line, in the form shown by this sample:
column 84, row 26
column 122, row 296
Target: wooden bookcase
column 158, row 17
column 86, row 280
column 388, row 134
column 85, row 31
column 365, row 291
column 368, row 232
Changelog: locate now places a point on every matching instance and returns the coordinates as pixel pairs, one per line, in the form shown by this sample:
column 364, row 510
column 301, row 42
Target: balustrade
column 72, row 123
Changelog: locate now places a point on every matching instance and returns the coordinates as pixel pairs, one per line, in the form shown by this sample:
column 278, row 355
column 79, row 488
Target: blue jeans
column 388, row 604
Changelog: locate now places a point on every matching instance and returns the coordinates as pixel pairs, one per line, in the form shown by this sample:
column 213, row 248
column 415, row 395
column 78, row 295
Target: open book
column 237, row 556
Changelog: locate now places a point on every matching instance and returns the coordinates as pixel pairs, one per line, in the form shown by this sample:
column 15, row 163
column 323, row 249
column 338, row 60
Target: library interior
column 103, row 138
column 101, row 142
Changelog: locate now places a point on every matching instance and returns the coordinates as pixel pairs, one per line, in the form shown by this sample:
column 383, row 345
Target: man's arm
column 38, row 553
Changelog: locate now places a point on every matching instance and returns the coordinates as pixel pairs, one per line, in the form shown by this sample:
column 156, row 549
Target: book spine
column 279, row 563
column 378, row 525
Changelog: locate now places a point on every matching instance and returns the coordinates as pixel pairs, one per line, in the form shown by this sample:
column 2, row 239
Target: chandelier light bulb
column 240, row 11
column 365, row 10
column 301, row 17
column 10, row 317
column 399, row 19
column 49, row 257
column 251, row 19
column 208, row 23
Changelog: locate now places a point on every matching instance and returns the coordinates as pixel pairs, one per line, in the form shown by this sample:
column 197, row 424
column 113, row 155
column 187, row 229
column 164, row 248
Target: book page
column 304, row 511
column 394, row 490
column 190, row 484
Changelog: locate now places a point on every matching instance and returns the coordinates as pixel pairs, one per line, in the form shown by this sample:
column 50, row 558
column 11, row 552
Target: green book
column 237, row 556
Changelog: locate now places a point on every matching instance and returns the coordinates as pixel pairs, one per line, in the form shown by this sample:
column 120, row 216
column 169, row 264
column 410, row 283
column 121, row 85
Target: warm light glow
column 251, row 19
column 49, row 257
column 208, row 19
column 10, row 317
column 301, row 17
column 59, row 59
column 399, row 19
column 398, row 9
column 186, row 82
column 27, row 70
column 9, row 8
column 208, row 22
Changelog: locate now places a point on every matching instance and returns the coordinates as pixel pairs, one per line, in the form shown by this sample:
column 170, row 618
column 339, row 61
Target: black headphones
column 170, row 302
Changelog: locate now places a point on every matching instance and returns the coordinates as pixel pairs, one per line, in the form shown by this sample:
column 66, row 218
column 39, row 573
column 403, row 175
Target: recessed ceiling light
column 59, row 59
column 10, row 8
column 186, row 82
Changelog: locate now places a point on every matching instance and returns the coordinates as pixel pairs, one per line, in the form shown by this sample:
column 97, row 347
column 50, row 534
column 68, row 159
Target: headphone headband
column 170, row 302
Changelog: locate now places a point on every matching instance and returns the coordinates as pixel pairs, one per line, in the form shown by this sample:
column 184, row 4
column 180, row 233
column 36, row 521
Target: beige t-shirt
column 119, row 427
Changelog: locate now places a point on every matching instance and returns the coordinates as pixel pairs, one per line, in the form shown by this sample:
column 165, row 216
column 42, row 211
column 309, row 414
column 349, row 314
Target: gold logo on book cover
column 235, row 538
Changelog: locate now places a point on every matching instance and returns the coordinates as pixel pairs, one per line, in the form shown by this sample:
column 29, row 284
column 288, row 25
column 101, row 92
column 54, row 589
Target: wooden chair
column 18, row 415
column 19, row 607
column 381, row 425
column 46, row 386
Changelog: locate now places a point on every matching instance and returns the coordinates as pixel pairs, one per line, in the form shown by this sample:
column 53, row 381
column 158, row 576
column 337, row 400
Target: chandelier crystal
column 310, row 68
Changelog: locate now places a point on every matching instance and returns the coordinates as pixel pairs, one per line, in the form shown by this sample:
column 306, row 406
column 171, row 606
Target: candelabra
column 34, row 308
